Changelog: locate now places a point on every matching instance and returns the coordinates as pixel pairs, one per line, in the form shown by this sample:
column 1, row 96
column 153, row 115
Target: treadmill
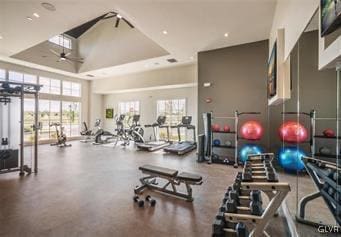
column 156, row 144
column 183, row 147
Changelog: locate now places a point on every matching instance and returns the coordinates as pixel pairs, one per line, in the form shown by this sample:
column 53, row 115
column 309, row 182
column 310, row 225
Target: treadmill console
column 161, row 120
column 186, row 120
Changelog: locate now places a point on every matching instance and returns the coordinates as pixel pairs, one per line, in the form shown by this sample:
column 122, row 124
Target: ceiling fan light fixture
column 119, row 16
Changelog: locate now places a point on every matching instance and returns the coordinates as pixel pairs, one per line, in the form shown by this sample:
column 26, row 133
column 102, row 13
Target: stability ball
column 249, row 149
column 215, row 127
column 251, row 130
column 226, row 128
column 329, row 132
column 292, row 132
column 290, row 158
column 216, row 142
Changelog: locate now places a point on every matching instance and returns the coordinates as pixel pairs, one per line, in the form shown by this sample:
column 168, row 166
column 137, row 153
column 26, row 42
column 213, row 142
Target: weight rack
column 235, row 118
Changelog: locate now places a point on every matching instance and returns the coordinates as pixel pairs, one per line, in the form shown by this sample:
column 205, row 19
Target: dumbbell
column 270, row 176
column 138, row 201
column 255, row 196
column 151, row 201
column 255, row 208
column 220, row 225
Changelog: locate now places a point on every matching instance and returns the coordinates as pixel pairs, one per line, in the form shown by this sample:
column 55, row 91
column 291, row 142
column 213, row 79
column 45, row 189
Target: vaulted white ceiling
column 192, row 25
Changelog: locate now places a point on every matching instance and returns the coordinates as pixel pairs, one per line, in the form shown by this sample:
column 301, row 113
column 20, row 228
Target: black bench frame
column 173, row 181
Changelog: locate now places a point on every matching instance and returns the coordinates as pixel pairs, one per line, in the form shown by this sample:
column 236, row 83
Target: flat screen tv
column 272, row 72
column 330, row 16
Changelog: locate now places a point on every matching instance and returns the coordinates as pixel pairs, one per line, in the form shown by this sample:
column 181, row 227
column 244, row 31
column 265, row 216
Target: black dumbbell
column 241, row 230
column 231, row 206
column 271, row 176
column 234, row 195
column 256, row 208
column 247, row 176
column 151, row 201
column 256, row 196
column 220, row 224
column 138, row 201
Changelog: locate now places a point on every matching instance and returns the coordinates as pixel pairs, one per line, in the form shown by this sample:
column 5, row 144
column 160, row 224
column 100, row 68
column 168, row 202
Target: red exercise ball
column 329, row 132
column 226, row 128
column 251, row 130
column 293, row 132
column 215, row 127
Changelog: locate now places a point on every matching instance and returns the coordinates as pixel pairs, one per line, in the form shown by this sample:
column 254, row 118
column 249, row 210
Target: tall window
column 173, row 110
column 61, row 41
column 2, row 74
column 21, row 77
column 50, row 86
column 71, row 118
column 71, row 89
column 49, row 112
column 129, row 108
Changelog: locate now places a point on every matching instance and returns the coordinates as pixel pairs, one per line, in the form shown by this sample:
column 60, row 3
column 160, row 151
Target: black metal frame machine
column 13, row 157
column 156, row 144
column 183, row 147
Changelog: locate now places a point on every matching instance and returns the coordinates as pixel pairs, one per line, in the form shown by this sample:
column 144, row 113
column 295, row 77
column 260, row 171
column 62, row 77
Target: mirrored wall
column 304, row 134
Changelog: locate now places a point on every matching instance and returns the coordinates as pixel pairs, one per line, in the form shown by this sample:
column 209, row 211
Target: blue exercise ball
column 290, row 158
column 216, row 142
column 249, row 149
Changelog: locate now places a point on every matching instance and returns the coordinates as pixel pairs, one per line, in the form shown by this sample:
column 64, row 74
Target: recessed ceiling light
column 48, row 6
column 226, row 35
column 36, row 15
column 119, row 16
column 165, row 32
column 29, row 18
column 1, row 37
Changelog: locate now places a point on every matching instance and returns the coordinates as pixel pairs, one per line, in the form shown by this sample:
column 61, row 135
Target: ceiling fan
column 64, row 56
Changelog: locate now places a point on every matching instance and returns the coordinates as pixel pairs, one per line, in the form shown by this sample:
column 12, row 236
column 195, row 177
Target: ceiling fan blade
column 54, row 52
column 110, row 15
column 117, row 22
column 131, row 25
column 67, row 54
column 78, row 60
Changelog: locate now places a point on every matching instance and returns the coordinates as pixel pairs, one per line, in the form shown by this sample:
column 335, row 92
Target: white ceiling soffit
column 192, row 25
column 167, row 87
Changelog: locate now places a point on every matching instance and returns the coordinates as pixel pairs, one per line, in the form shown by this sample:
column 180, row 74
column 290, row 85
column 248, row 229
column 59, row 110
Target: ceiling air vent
column 90, row 75
column 172, row 60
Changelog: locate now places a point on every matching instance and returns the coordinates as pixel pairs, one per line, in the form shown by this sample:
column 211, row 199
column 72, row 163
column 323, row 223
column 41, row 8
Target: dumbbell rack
column 235, row 118
column 256, row 223
column 323, row 180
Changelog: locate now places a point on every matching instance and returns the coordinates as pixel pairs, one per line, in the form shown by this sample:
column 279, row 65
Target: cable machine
column 12, row 150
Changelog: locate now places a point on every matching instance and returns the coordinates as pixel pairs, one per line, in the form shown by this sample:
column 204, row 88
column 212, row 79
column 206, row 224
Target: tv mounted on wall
column 330, row 16
column 272, row 72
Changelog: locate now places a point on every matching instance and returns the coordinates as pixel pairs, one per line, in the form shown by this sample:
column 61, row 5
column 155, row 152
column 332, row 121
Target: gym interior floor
column 87, row 190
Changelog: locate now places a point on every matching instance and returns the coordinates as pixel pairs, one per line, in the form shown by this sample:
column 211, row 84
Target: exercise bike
column 90, row 134
column 61, row 137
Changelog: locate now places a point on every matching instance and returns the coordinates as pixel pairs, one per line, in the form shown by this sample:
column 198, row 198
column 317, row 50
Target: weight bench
column 173, row 178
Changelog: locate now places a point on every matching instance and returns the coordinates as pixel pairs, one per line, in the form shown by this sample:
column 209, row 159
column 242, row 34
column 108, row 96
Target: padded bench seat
column 189, row 177
column 159, row 170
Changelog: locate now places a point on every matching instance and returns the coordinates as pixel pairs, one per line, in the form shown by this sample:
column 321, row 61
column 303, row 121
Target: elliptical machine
column 106, row 137
column 61, row 136
column 89, row 134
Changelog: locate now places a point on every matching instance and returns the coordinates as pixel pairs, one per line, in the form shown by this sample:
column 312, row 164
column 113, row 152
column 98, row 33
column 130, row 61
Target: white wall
column 293, row 16
column 146, row 87
column 172, row 76
column 148, row 104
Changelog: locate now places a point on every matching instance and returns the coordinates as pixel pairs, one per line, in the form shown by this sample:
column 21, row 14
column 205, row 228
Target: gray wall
column 238, row 77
